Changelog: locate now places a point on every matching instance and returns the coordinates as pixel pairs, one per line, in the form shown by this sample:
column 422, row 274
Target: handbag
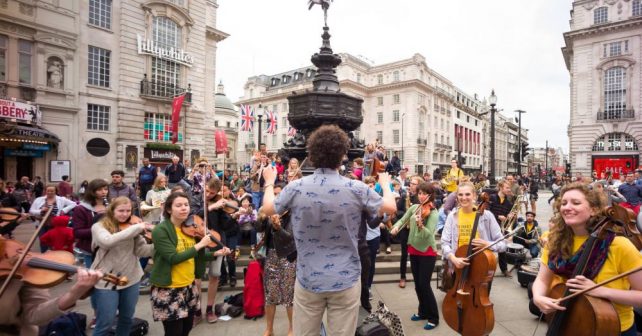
column 389, row 319
column 447, row 278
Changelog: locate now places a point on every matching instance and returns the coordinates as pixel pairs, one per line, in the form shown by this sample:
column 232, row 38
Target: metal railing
column 422, row 141
column 443, row 146
column 616, row 115
column 162, row 90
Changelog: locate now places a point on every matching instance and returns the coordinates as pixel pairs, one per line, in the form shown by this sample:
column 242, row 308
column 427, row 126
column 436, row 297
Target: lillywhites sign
column 21, row 112
column 149, row 47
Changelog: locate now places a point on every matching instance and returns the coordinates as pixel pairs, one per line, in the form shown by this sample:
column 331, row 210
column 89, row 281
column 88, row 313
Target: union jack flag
column 247, row 118
column 291, row 131
column 270, row 122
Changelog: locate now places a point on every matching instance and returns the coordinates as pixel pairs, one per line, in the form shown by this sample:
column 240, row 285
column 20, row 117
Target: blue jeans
column 109, row 302
column 257, row 199
column 89, row 259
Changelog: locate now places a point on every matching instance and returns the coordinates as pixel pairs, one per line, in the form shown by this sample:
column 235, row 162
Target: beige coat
column 27, row 307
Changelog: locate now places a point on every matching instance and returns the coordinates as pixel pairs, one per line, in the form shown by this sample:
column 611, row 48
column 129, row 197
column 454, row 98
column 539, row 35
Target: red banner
column 221, row 141
column 177, row 103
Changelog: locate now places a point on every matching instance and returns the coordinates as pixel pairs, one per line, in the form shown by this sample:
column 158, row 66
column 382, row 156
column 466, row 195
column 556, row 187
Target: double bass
column 467, row 308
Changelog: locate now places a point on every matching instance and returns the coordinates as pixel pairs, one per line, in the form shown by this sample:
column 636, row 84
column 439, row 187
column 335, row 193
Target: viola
column 194, row 227
column 467, row 308
column 42, row 270
column 9, row 216
column 136, row 220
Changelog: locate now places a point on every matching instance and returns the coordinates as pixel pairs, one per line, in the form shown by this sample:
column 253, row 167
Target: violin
column 467, row 308
column 42, row 270
column 628, row 227
column 584, row 314
column 136, row 220
column 194, row 227
column 231, row 206
column 424, row 208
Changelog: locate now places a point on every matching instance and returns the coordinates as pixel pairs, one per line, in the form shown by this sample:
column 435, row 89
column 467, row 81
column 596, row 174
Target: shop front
column 162, row 157
column 615, row 164
column 24, row 143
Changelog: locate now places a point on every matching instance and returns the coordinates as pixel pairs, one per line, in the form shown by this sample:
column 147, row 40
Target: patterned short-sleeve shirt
column 326, row 210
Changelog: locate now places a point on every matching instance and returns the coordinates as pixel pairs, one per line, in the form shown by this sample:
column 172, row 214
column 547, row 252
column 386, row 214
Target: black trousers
column 503, row 264
column 403, row 263
column 180, row 327
column 422, row 268
column 385, row 237
column 365, row 275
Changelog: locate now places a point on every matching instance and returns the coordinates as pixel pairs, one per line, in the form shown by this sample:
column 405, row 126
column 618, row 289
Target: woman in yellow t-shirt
column 578, row 204
column 177, row 259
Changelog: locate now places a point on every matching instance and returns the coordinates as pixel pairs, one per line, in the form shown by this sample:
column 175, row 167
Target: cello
column 466, row 307
column 584, row 314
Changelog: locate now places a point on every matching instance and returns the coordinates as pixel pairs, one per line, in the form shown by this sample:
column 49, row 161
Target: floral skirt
column 278, row 280
column 170, row 304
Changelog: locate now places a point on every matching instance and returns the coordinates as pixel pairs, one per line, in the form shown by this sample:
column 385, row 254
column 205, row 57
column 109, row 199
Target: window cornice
column 172, row 11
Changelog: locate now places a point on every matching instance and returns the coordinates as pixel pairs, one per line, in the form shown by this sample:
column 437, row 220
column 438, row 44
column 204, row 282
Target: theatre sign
column 149, row 47
column 20, row 112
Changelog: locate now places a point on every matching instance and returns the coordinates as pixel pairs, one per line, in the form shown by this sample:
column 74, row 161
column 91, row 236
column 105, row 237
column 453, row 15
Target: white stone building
column 603, row 54
column 122, row 62
column 227, row 119
column 408, row 106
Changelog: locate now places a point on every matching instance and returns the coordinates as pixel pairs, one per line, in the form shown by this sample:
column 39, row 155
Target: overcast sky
column 513, row 46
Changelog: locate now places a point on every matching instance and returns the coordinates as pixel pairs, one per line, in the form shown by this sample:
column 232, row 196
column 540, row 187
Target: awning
column 28, row 134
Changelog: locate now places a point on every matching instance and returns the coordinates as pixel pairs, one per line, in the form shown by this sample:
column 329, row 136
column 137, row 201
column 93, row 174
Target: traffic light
column 525, row 150
column 516, row 156
column 568, row 168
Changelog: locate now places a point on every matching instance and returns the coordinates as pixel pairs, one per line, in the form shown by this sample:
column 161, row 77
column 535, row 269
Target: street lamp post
column 493, row 102
column 519, row 142
column 260, row 115
column 403, row 115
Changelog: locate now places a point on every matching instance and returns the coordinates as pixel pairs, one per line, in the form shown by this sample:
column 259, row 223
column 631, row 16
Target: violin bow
column 497, row 241
column 619, row 276
column 24, row 254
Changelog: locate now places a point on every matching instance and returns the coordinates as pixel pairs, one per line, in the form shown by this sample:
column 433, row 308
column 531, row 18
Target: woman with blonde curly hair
column 578, row 209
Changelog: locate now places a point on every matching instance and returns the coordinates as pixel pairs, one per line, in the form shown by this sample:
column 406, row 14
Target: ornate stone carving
column 26, row 9
column 611, row 2
column 590, row 5
column 55, row 73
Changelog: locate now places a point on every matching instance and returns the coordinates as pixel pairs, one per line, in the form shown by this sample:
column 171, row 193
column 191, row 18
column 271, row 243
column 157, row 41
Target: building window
column 98, row 66
column 615, row 49
column 379, row 79
column 229, row 124
column 380, row 137
column 395, row 136
column 379, row 101
column 100, row 13
column 600, row 15
column 215, row 123
column 396, row 99
column 636, row 7
column 395, row 115
column 3, row 58
column 614, row 92
column 614, row 142
column 275, row 108
column 166, row 74
column 158, row 127
column 97, row 117
column 284, row 107
column 274, row 144
column 458, row 114
column 379, row 117
column 629, row 143
column 180, row 3
column 358, row 78
column 24, row 61
column 395, row 76
column 284, row 122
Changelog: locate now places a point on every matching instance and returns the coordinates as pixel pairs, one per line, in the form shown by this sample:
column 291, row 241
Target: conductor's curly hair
column 327, row 145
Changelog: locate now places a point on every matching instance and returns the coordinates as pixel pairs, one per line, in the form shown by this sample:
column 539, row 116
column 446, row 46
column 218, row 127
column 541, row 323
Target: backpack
column 235, row 300
column 253, row 296
column 69, row 324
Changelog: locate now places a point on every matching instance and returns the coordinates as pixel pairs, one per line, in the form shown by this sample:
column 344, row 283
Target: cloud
column 513, row 46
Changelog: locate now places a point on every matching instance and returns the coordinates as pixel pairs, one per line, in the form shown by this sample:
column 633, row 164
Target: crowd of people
column 318, row 236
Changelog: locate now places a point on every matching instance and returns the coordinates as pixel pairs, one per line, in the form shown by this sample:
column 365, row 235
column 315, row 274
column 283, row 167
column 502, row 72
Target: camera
column 201, row 165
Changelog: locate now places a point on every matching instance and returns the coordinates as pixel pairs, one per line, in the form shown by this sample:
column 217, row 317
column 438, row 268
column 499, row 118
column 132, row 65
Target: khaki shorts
column 215, row 267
